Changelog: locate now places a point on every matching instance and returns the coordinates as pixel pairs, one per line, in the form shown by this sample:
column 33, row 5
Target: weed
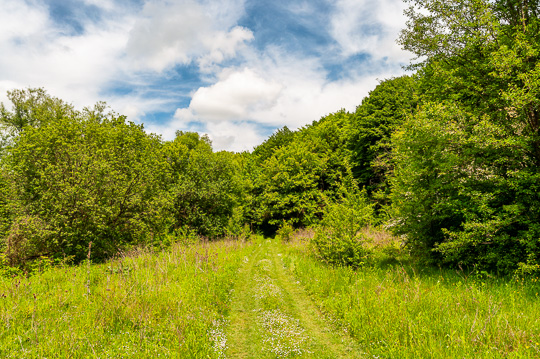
column 142, row 304
column 403, row 311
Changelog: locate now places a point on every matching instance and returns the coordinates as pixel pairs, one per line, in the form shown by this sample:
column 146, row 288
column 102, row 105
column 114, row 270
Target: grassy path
column 272, row 315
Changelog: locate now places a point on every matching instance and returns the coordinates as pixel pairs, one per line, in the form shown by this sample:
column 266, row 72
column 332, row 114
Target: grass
column 273, row 317
column 141, row 305
column 266, row 299
column 403, row 311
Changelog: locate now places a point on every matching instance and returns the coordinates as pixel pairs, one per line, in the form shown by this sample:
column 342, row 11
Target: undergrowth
column 395, row 309
column 140, row 305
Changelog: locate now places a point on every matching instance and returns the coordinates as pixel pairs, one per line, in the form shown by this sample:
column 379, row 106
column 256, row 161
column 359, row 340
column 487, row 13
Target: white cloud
column 276, row 90
column 135, row 48
column 75, row 68
column 371, row 27
column 179, row 32
column 222, row 45
column 12, row 26
column 136, row 106
column 234, row 136
column 234, row 97
column 120, row 48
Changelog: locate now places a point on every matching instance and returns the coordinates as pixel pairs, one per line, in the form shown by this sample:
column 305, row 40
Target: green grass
column 273, row 317
column 400, row 311
column 267, row 299
column 142, row 305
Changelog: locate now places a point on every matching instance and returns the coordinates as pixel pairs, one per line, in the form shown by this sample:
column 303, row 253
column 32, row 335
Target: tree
column 278, row 139
column 289, row 186
column 86, row 177
column 371, row 126
column 338, row 237
column 205, row 186
column 468, row 160
column 32, row 107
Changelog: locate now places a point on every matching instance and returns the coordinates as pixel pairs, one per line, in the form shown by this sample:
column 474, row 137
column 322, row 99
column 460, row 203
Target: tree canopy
column 449, row 157
column 467, row 162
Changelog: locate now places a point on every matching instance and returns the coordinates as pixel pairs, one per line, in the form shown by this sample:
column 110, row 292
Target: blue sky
column 234, row 69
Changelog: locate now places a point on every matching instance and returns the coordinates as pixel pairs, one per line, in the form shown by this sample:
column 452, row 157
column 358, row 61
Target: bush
column 285, row 231
column 90, row 177
column 338, row 238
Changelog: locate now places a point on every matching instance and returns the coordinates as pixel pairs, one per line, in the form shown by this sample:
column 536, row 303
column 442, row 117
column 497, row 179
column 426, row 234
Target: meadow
column 396, row 308
column 446, row 157
column 142, row 304
column 264, row 298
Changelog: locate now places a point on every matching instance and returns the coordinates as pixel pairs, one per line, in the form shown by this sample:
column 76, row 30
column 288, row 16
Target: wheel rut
column 272, row 316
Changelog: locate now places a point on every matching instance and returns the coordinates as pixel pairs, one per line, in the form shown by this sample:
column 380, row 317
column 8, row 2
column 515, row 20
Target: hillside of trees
column 447, row 157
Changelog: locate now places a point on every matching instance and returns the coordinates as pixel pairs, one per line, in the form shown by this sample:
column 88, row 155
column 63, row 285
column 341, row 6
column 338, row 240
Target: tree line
column 448, row 157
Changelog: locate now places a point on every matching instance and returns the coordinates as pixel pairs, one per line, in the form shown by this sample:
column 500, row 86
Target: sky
column 236, row 70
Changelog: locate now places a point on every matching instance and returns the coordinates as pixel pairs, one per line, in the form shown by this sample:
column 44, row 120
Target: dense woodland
column 447, row 157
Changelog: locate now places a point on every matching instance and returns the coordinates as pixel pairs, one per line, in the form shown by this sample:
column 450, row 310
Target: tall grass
column 407, row 311
column 140, row 305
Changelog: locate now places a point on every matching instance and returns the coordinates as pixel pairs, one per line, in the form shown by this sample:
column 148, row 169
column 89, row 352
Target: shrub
column 285, row 231
column 338, row 238
column 90, row 177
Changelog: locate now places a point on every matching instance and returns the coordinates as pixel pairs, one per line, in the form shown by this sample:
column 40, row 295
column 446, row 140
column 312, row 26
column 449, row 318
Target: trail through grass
column 169, row 304
column 266, row 299
column 405, row 311
column 273, row 317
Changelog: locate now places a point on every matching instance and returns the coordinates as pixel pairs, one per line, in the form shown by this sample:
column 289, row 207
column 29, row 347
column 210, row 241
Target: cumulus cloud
column 119, row 48
column 239, row 86
column 369, row 27
column 222, row 45
column 40, row 54
column 179, row 32
column 13, row 29
column 275, row 91
column 234, row 97
column 234, row 136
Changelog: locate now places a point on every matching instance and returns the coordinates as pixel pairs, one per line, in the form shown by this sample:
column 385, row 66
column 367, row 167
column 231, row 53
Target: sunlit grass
column 406, row 311
column 283, row 334
column 141, row 305
column 176, row 304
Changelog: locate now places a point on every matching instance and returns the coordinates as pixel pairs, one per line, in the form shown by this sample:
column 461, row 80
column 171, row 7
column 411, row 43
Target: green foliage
column 467, row 167
column 205, row 187
column 285, row 232
column 371, row 127
column 90, row 177
column 425, row 193
column 5, row 214
column 455, row 190
column 338, row 238
column 7, row 270
column 33, row 108
column 282, row 137
column 237, row 227
column 291, row 183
